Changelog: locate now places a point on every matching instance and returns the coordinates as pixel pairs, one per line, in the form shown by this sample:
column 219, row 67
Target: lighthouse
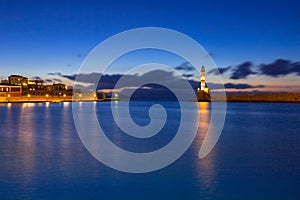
column 203, row 91
column 203, row 86
column 202, row 79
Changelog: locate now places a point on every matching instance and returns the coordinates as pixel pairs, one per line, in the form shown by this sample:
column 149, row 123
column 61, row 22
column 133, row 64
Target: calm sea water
column 256, row 157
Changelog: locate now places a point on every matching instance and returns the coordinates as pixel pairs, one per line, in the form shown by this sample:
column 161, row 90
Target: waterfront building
column 17, row 80
column 37, row 88
column 10, row 91
column 21, row 89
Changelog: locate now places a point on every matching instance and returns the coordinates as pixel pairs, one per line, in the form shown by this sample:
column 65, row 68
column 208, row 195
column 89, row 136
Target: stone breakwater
column 260, row 98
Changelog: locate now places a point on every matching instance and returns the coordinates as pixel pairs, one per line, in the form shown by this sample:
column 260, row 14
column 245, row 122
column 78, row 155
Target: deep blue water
column 256, row 157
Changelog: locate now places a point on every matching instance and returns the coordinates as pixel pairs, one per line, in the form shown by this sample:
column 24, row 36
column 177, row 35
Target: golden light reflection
column 116, row 104
column 206, row 166
column 66, row 104
column 204, row 117
column 64, row 120
column 9, row 105
column 28, row 105
column 26, row 139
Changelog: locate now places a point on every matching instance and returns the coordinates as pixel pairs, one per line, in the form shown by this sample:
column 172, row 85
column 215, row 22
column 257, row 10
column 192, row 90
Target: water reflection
column 42, row 157
column 206, row 166
column 25, row 143
column 65, row 130
column 39, row 139
column 66, row 104
column 28, row 105
column 47, row 104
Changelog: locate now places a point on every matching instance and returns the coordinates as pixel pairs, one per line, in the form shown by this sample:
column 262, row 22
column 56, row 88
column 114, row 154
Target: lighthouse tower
column 202, row 79
column 203, row 91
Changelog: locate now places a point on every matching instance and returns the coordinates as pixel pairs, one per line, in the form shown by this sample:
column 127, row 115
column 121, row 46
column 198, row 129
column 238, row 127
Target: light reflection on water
column 206, row 165
column 25, row 139
column 257, row 156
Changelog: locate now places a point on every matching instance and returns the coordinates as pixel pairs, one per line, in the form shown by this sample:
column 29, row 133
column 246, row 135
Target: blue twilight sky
column 41, row 37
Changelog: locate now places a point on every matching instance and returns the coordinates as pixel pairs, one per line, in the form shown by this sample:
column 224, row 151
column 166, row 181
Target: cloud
column 54, row 74
column 80, row 55
column 36, row 78
column 239, row 86
column 70, row 77
column 152, row 90
column 84, row 88
column 219, row 70
column 280, row 67
column 242, row 86
column 242, row 71
column 84, row 78
column 57, row 80
column 185, row 66
column 188, row 75
column 296, row 68
column 135, row 82
column 48, row 80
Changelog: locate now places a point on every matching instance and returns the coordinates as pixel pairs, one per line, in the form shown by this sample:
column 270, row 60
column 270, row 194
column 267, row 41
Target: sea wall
column 290, row 98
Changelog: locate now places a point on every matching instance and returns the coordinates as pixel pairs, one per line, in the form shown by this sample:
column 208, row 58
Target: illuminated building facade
column 37, row 87
column 10, row 91
column 17, row 80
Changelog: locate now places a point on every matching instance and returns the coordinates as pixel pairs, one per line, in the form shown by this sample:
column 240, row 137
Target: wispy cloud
column 242, row 86
column 36, row 78
column 242, row 71
column 185, row 66
column 57, row 80
column 188, row 75
column 280, row 67
column 48, row 80
column 238, row 86
column 219, row 70
column 54, row 74
column 80, row 55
